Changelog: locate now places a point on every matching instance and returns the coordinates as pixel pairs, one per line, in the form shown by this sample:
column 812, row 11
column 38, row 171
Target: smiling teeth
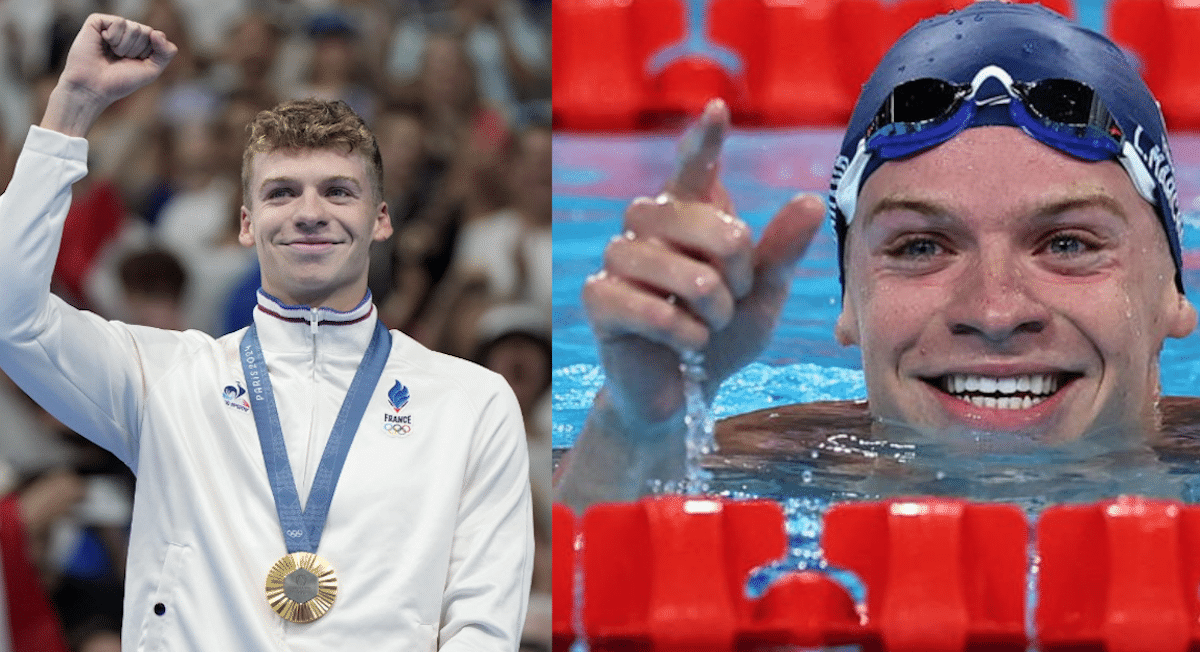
column 1014, row 403
column 1007, row 393
column 1036, row 384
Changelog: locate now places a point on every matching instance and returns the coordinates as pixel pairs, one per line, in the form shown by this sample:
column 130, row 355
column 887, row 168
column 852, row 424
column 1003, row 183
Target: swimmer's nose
column 308, row 212
column 992, row 300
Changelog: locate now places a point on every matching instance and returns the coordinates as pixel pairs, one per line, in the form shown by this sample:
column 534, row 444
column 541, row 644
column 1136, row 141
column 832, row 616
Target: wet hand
column 686, row 275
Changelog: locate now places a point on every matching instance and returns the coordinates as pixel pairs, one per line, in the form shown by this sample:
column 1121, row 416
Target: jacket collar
column 284, row 327
column 305, row 314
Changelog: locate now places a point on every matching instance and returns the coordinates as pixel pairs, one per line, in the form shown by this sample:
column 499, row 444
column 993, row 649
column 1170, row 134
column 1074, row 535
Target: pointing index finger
column 700, row 153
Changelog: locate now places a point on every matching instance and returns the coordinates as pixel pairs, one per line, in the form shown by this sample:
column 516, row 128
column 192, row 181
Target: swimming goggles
column 1065, row 114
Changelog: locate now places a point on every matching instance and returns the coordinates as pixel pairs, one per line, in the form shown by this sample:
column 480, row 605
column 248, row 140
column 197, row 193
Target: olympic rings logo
column 397, row 429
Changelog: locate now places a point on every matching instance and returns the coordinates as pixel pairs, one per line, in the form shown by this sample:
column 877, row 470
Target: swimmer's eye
column 916, row 248
column 1064, row 244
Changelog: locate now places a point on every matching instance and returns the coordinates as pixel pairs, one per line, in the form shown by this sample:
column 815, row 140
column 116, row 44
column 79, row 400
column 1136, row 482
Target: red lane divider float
column 942, row 575
column 1121, row 576
column 642, row 568
column 622, row 65
column 669, row 574
column 563, row 579
column 1162, row 35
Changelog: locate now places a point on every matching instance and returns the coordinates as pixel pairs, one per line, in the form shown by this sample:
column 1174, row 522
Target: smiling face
column 312, row 215
column 994, row 284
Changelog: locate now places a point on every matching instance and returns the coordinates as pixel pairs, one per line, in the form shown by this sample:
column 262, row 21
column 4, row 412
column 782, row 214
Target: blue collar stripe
column 302, row 528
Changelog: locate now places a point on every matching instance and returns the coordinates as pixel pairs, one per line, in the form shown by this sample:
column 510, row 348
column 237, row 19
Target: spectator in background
column 464, row 143
column 73, row 513
column 247, row 68
column 448, row 94
column 150, row 191
column 337, row 66
column 29, row 444
column 534, row 178
column 25, row 45
column 474, row 188
column 513, row 339
column 25, row 520
column 509, row 242
column 96, row 218
column 508, row 50
column 154, row 285
column 47, row 527
column 374, row 23
column 186, row 95
column 405, row 267
column 197, row 214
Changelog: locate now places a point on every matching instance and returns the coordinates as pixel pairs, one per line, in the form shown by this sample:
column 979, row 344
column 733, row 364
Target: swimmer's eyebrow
column 1050, row 208
column 926, row 208
column 1099, row 200
column 330, row 180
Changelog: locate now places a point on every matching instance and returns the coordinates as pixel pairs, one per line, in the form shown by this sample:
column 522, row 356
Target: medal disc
column 301, row 587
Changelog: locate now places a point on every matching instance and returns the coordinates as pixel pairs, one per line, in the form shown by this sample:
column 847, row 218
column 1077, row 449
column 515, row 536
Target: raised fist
column 109, row 59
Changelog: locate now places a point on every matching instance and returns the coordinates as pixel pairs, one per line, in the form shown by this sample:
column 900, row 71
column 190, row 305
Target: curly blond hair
column 312, row 124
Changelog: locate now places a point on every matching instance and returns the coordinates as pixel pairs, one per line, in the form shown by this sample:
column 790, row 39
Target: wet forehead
column 994, row 173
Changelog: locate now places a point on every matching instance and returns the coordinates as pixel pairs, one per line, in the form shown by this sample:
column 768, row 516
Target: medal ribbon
column 302, row 528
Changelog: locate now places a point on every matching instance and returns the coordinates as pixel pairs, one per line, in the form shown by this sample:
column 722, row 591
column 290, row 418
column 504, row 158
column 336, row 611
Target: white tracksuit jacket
column 430, row 529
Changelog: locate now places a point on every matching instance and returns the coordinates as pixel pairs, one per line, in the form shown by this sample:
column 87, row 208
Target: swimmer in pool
column 1009, row 240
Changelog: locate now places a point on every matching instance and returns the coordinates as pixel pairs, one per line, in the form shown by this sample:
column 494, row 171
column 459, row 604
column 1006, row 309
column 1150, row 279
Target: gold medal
column 301, row 587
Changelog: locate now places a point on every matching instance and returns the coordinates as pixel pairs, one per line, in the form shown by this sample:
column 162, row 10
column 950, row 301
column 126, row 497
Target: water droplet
column 807, row 476
column 1027, row 47
column 958, row 37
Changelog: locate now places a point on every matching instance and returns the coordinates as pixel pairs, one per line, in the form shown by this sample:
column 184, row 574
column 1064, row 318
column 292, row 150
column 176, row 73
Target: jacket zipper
column 313, row 319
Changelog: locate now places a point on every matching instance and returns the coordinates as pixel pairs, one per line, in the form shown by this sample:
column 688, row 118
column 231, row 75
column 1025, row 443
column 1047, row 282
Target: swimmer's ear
column 1182, row 317
column 846, row 327
column 246, row 232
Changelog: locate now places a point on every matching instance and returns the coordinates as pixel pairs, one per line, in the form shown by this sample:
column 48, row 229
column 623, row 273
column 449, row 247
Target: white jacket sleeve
column 491, row 563
column 82, row 369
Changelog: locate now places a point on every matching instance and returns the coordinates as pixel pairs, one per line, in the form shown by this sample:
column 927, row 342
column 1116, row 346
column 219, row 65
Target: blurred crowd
column 458, row 95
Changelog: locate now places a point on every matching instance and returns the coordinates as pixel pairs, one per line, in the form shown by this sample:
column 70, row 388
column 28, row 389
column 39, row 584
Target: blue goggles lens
column 1062, row 113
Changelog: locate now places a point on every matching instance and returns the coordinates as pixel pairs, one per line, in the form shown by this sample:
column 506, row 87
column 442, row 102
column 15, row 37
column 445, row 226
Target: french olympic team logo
column 235, row 397
column 397, row 425
column 398, row 396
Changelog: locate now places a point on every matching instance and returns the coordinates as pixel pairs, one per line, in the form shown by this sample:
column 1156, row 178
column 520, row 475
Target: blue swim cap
column 1015, row 64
